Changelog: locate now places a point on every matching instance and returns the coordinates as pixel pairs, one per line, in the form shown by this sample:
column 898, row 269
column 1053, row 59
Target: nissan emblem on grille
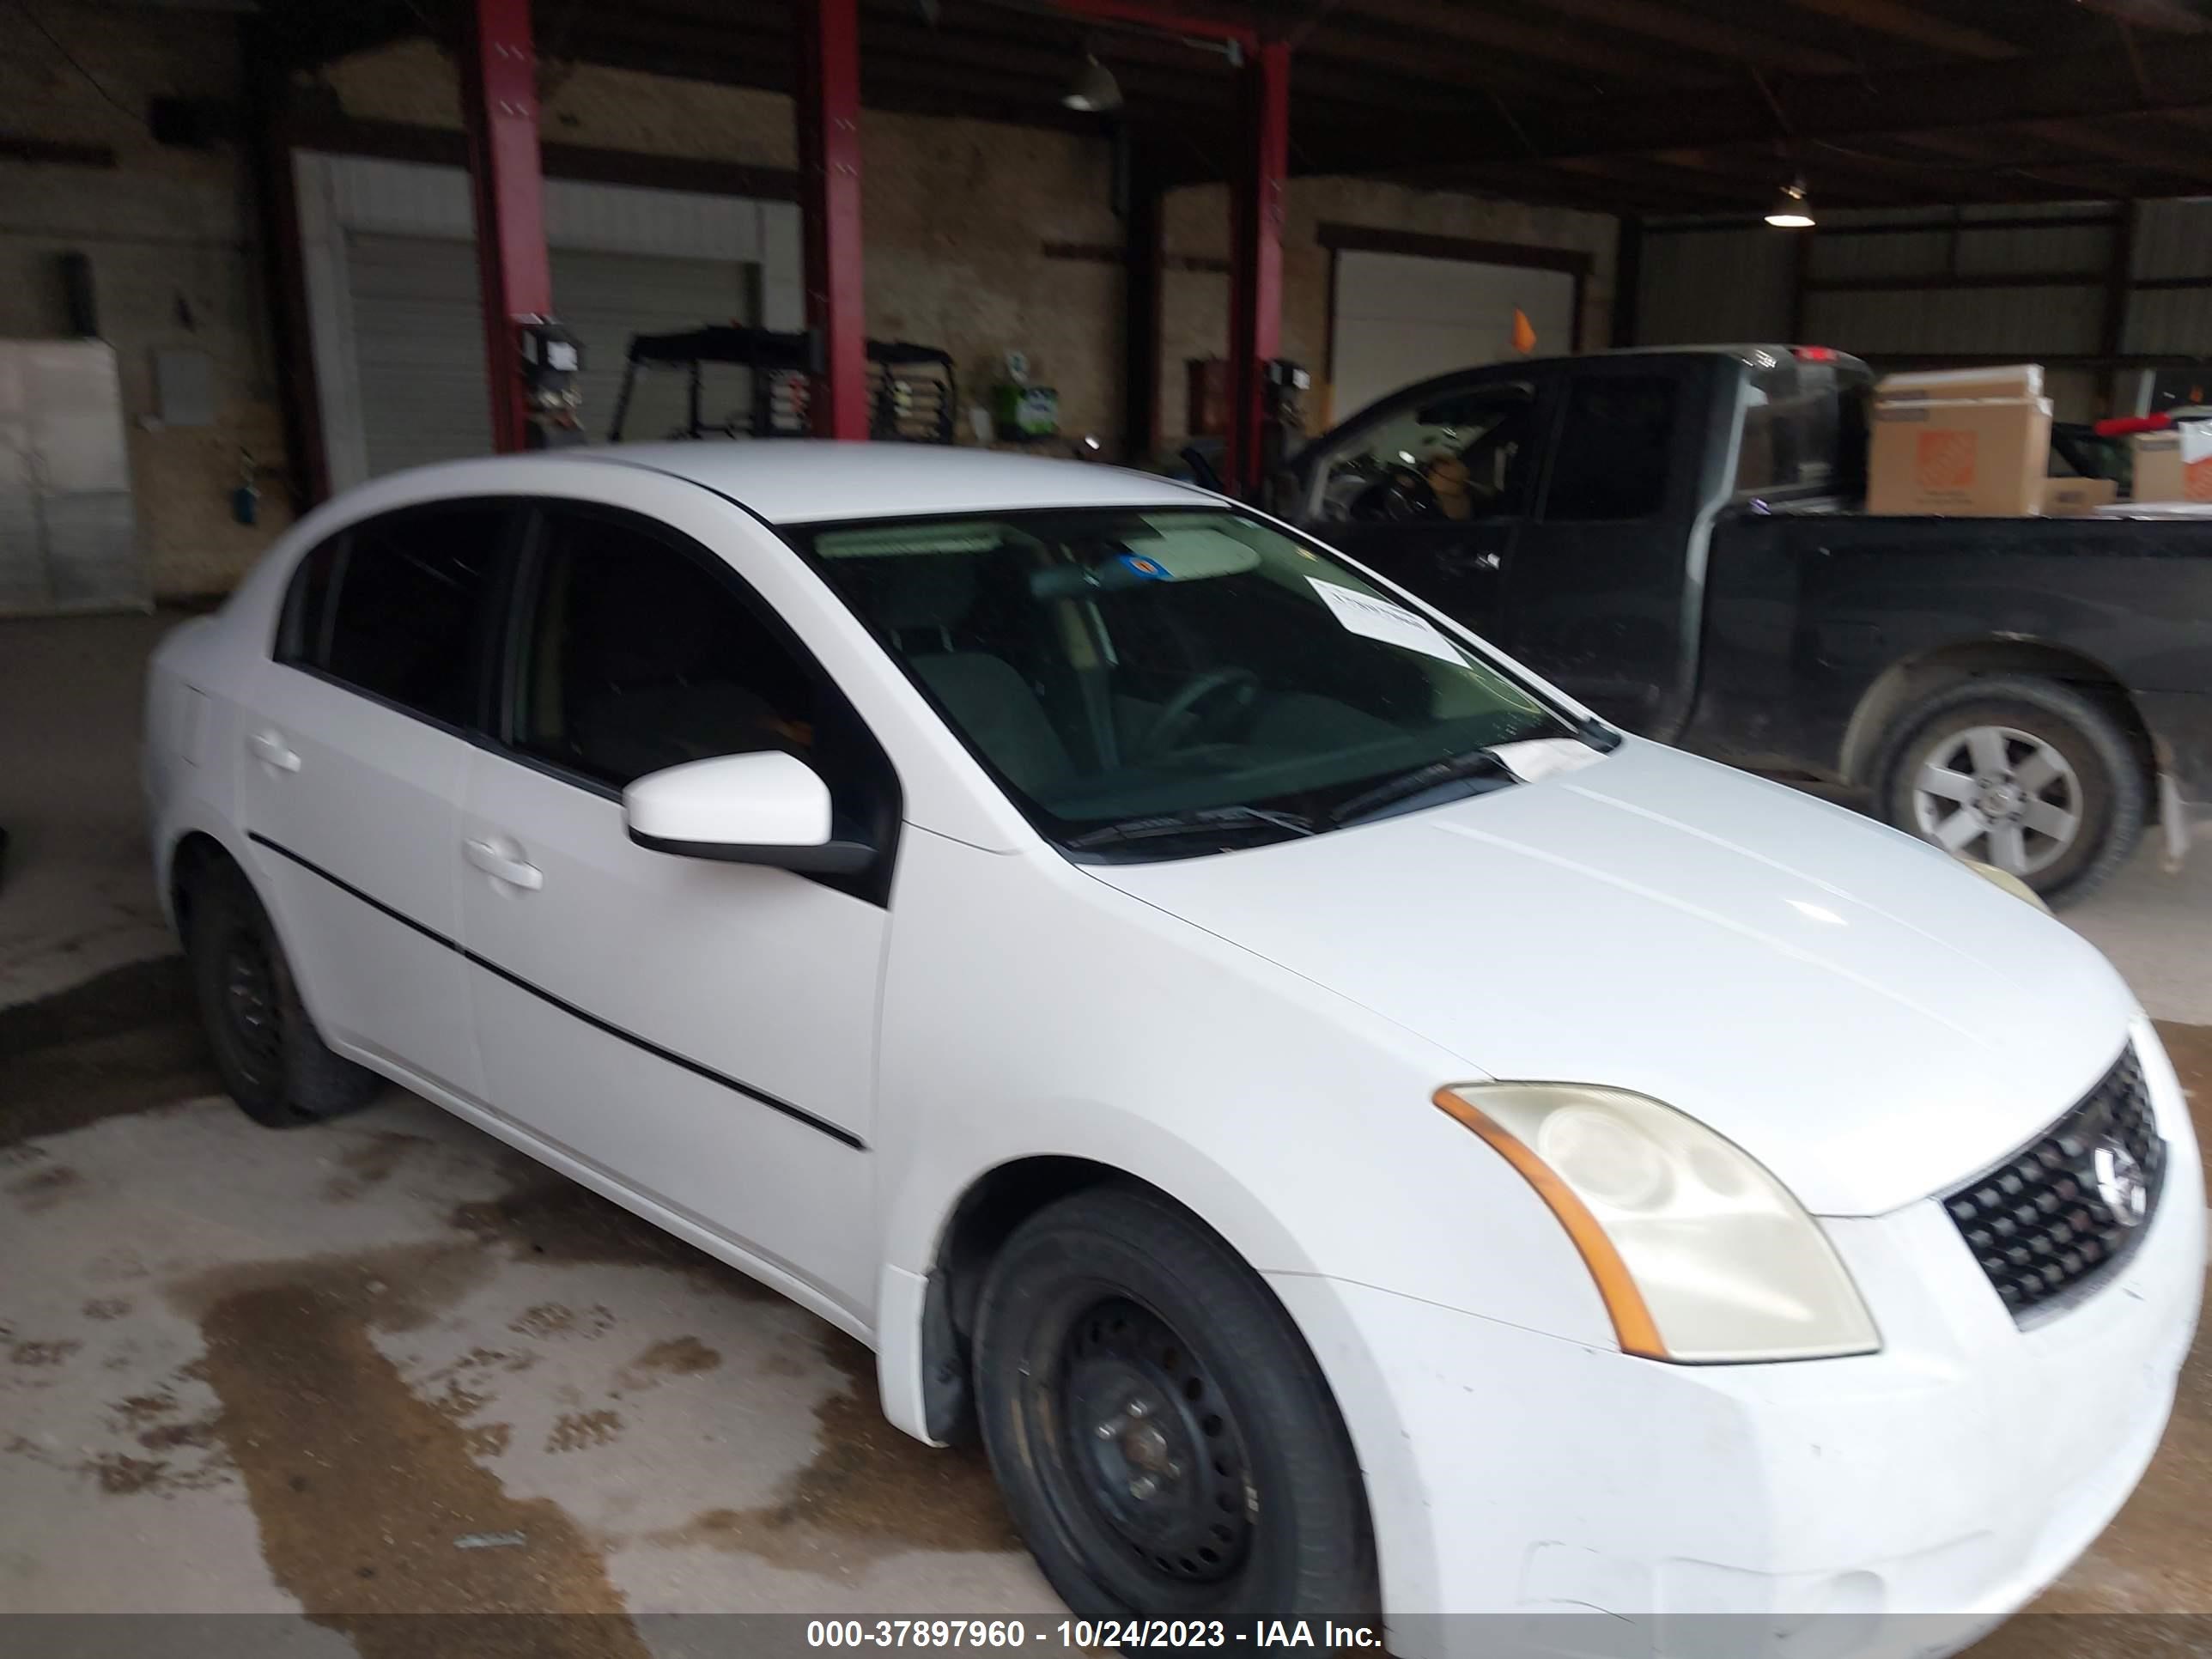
column 2120, row 1183
column 2062, row 1213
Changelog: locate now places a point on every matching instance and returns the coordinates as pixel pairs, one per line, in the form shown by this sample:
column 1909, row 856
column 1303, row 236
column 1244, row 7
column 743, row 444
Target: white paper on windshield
column 1545, row 757
column 1373, row 617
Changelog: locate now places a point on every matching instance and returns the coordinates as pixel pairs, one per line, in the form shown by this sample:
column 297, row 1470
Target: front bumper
column 1515, row 1477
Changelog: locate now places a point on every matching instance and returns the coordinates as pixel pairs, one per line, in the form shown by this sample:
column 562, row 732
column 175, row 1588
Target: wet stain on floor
column 128, row 1041
column 869, row 1490
column 548, row 1218
column 371, row 1162
column 679, row 1356
column 361, row 1488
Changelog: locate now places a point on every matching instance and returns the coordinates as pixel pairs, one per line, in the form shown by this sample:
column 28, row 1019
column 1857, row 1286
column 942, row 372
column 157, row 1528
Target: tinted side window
column 1614, row 447
column 395, row 606
column 639, row 655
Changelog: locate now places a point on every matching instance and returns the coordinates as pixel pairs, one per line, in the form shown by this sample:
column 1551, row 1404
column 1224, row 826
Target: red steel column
column 1256, row 261
column 829, row 163
column 498, row 103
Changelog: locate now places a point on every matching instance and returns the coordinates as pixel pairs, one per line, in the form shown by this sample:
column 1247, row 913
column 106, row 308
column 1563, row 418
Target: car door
column 1599, row 596
column 702, row 1031
column 1430, row 487
column 353, row 759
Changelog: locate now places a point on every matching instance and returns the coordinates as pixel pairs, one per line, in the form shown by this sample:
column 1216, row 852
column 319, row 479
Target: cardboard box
column 1949, row 384
column 2068, row 497
column 2175, row 465
column 1963, row 458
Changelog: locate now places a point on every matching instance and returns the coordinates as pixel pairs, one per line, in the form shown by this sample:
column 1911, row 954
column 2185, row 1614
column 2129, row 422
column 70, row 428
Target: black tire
column 266, row 1049
column 1115, row 1298
column 2110, row 786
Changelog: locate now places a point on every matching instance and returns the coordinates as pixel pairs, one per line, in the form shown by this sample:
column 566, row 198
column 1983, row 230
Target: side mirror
column 768, row 808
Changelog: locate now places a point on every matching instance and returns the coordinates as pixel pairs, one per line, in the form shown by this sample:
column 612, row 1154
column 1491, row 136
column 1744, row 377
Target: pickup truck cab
column 1672, row 536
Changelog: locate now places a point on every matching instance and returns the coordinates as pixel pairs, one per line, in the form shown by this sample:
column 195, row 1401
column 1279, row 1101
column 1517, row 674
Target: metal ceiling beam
column 1203, row 22
column 1465, row 33
column 1914, row 23
column 1350, row 40
column 2176, row 155
column 1657, row 20
column 1938, row 97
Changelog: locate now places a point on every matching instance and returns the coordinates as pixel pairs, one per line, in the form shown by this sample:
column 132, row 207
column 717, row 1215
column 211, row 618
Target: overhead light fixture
column 1094, row 88
column 1793, row 208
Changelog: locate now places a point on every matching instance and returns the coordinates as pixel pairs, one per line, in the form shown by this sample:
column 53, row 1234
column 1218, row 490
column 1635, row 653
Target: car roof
column 797, row 481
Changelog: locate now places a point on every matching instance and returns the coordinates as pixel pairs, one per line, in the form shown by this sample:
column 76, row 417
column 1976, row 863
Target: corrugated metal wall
column 1876, row 285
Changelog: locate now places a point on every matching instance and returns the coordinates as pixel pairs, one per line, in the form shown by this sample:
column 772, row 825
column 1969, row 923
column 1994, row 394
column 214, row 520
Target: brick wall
column 170, row 238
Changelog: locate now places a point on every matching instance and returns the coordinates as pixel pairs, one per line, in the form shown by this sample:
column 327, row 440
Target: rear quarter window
column 395, row 607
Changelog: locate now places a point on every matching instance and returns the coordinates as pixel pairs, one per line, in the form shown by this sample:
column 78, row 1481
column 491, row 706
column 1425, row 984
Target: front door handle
column 501, row 864
column 270, row 750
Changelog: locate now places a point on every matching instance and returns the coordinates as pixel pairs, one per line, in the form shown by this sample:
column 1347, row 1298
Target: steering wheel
column 1399, row 495
column 1234, row 690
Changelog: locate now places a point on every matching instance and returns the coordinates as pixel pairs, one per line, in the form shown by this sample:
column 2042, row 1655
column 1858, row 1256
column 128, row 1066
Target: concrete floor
column 386, row 1365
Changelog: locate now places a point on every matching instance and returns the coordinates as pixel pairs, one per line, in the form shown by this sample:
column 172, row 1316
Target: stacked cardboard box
column 1967, row 442
column 2175, row 465
column 2064, row 498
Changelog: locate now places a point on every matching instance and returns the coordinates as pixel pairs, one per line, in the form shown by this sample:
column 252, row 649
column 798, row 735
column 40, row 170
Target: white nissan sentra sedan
column 1353, row 1134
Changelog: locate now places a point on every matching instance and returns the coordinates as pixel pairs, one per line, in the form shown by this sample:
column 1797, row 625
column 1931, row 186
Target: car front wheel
column 1165, row 1442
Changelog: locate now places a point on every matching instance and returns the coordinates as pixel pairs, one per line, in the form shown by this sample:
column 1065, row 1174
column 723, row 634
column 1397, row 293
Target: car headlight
column 1700, row 1254
column 2010, row 883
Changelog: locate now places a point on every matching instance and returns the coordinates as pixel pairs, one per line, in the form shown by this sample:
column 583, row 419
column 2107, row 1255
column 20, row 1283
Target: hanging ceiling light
column 1094, row 88
column 1793, row 208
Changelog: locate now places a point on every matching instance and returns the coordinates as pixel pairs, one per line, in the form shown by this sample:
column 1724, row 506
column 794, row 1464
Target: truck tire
column 2026, row 773
column 267, row 1052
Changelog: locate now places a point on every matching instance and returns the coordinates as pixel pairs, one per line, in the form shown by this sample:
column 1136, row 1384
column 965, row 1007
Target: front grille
column 2039, row 1224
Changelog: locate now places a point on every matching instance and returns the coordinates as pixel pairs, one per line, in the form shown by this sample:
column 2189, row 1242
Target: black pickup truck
column 1673, row 536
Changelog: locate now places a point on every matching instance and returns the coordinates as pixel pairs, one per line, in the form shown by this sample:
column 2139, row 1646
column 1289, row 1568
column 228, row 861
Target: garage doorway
column 388, row 254
column 1402, row 309
column 418, row 328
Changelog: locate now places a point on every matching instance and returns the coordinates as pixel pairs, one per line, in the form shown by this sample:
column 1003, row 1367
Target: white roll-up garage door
column 418, row 337
column 1401, row 317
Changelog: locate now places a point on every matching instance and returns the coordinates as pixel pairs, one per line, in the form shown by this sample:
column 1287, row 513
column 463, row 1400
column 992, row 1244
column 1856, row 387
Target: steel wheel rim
column 1151, row 1449
column 2001, row 795
column 249, row 1001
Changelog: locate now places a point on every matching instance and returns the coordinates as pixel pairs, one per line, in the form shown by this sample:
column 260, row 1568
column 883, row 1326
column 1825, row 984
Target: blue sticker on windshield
column 1151, row 570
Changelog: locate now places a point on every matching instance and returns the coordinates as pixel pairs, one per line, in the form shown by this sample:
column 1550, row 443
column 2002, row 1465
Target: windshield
column 1116, row 668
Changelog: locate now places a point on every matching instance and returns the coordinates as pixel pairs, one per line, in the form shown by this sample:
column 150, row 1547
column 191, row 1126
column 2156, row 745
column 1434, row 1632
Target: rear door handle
column 269, row 749
column 496, row 861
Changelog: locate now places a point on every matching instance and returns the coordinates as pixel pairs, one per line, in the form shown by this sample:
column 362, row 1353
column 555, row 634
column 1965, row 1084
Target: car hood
column 1869, row 1019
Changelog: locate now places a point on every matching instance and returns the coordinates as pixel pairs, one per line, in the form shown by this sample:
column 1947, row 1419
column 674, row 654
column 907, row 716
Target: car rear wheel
column 1165, row 1442
column 266, row 1049
column 2028, row 774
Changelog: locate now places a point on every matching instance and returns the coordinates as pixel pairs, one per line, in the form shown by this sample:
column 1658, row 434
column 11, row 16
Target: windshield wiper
column 1203, row 820
column 1475, row 763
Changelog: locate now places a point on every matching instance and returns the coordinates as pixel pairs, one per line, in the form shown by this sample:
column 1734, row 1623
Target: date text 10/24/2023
column 1089, row 1634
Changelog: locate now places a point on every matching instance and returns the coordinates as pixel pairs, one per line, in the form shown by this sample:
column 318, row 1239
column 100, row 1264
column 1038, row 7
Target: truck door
column 1602, row 590
column 1430, row 487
